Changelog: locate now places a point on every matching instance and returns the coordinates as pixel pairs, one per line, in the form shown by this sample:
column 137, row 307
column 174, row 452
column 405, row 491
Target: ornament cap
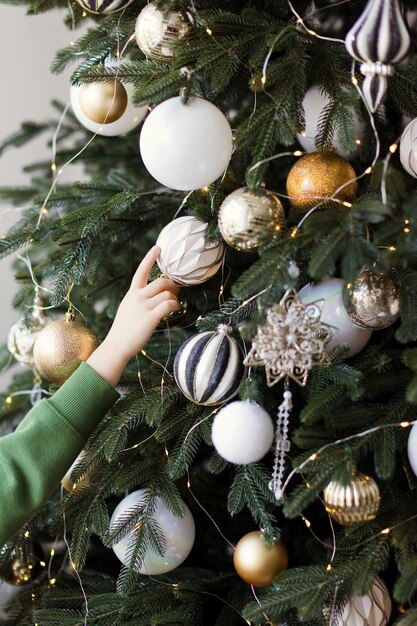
column 224, row 328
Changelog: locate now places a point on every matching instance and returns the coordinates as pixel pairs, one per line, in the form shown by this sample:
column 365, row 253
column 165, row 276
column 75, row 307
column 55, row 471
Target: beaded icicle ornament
column 290, row 342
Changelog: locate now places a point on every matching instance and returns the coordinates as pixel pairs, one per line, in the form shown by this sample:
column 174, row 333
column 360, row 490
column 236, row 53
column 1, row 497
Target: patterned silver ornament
column 186, row 257
column 104, row 6
column 372, row 609
column 408, row 148
column 379, row 38
column 372, row 300
column 158, row 31
column 208, row 367
column 354, row 503
column 21, row 338
column 249, row 218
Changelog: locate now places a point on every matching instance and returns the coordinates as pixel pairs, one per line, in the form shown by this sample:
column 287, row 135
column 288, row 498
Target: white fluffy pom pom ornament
column 186, row 146
column 178, row 534
column 242, row 432
column 186, row 257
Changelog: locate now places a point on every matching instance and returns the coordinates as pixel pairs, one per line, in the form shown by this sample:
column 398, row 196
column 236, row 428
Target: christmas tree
column 260, row 466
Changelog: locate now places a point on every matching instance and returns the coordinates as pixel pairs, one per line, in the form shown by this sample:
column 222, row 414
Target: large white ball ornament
column 372, row 609
column 242, row 432
column 186, row 257
column 408, row 148
column 99, row 96
column 186, row 146
column 178, row 532
column 314, row 102
column 412, row 448
column 329, row 295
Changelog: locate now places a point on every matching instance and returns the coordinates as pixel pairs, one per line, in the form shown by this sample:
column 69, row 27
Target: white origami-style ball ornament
column 372, row 609
column 412, row 448
column 242, row 432
column 408, row 148
column 329, row 295
column 186, row 257
column 186, row 146
column 178, row 532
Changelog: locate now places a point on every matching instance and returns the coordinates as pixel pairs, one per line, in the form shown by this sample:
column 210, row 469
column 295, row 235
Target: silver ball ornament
column 249, row 218
column 157, row 31
column 372, row 300
column 21, row 339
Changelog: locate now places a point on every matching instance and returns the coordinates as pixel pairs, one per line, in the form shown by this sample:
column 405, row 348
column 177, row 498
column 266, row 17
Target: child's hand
column 138, row 315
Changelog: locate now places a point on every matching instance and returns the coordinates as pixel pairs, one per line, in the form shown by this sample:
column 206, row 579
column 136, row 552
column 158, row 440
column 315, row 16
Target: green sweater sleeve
column 34, row 458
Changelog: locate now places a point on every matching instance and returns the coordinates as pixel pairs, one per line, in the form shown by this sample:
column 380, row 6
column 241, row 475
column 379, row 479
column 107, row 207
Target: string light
column 52, row 581
column 307, row 522
column 405, row 424
column 393, row 148
column 386, row 531
column 329, row 567
column 209, row 31
column 392, row 248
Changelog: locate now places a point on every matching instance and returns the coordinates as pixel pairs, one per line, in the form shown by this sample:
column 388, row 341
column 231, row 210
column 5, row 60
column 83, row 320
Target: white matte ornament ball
column 242, row 432
column 372, row 609
column 329, row 294
column 314, row 102
column 412, row 448
column 186, row 146
column 130, row 118
column 178, row 532
column 186, row 257
column 408, row 148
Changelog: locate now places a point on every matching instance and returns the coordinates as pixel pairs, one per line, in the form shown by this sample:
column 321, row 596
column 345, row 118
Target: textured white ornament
column 178, row 532
column 242, row 432
column 372, row 609
column 412, row 448
column 21, row 339
column 408, row 148
column 186, row 256
column 186, row 146
column 131, row 117
column 314, row 103
column 334, row 313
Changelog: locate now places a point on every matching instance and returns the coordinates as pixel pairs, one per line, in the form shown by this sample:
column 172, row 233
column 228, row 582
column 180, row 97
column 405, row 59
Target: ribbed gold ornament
column 256, row 562
column 249, row 218
column 372, row 300
column 317, row 176
column 60, row 348
column 103, row 103
column 354, row 503
column 158, row 31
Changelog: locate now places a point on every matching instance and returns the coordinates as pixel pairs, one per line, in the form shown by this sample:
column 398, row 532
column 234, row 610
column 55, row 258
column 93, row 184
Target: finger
column 140, row 279
column 165, row 308
column 164, row 296
column 158, row 285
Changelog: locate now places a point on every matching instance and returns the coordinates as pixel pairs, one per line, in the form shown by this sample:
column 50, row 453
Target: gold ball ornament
column 103, row 103
column 354, row 503
column 317, row 176
column 256, row 562
column 249, row 218
column 157, row 31
column 105, row 7
column 372, row 300
column 60, row 348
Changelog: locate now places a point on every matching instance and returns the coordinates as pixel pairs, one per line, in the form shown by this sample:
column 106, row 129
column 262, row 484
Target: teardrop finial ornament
column 379, row 39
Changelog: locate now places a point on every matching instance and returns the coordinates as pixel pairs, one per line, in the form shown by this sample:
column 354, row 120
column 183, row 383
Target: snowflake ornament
column 291, row 341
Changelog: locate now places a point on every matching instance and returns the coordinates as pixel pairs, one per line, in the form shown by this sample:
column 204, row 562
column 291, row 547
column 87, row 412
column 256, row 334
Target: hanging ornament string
column 289, row 343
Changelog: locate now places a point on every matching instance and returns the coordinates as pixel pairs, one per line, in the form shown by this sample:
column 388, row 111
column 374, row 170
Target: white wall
column 28, row 45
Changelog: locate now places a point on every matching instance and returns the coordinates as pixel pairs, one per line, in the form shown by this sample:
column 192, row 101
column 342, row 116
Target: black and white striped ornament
column 208, row 367
column 379, row 39
column 104, row 6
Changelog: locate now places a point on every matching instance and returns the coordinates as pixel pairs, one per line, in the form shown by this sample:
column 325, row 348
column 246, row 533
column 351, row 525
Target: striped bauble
column 208, row 367
column 104, row 6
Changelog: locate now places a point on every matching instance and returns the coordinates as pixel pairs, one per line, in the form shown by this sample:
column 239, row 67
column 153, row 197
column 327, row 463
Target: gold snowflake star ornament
column 291, row 341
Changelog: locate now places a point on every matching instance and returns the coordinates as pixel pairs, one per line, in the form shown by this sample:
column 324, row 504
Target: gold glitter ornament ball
column 103, row 103
column 317, row 176
column 249, row 218
column 354, row 503
column 60, row 348
column 372, row 300
column 157, row 31
column 256, row 562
